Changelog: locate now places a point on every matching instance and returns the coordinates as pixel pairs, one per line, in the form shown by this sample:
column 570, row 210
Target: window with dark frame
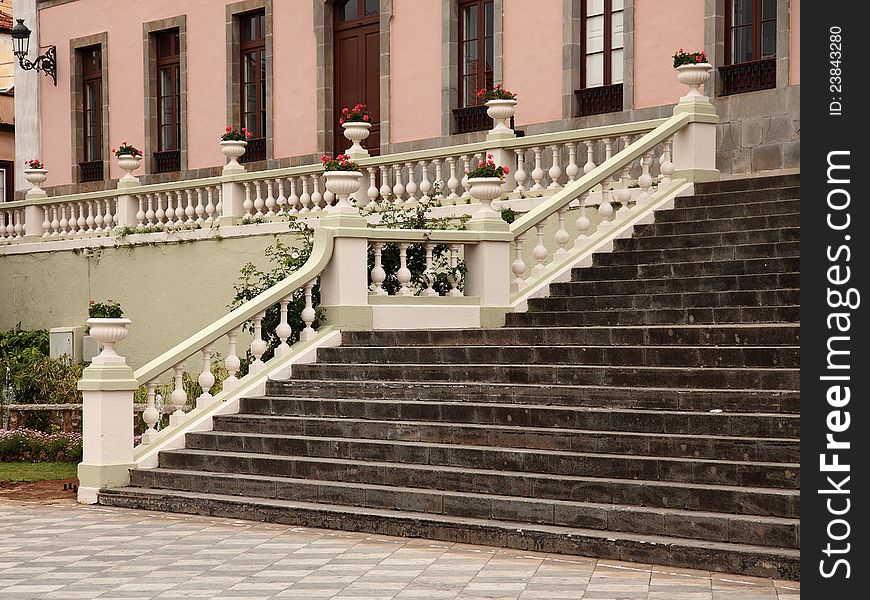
column 252, row 69
column 168, row 155
column 750, row 46
column 601, row 50
column 476, row 61
column 7, row 184
column 91, row 166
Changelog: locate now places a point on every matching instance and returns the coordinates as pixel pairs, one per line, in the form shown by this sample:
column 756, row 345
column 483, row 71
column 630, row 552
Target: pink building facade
column 168, row 77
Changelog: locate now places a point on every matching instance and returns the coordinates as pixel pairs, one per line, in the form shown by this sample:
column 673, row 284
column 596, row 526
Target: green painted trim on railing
column 573, row 191
column 324, row 241
column 429, row 301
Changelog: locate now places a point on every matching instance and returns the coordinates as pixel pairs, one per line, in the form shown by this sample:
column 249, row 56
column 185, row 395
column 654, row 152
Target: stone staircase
column 646, row 411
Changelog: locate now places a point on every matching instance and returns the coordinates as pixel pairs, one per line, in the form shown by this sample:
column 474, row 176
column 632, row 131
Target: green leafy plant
column 688, row 58
column 29, row 376
column 236, row 135
column 341, row 162
column 28, row 445
column 508, row 215
column 488, row 168
column 105, row 310
column 126, row 149
column 496, row 93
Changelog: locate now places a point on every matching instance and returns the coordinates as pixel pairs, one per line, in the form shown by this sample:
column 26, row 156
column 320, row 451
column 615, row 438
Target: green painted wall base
column 349, row 318
column 697, row 175
column 493, row 316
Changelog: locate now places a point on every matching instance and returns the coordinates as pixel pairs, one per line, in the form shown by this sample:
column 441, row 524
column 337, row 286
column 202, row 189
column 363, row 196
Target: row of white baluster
column 403, row 273
column 608, row 215
column 11, row 224
column 178, row 397
column 84, row 218
column 192, row 206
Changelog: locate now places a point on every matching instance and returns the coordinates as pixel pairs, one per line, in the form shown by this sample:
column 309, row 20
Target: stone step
column 386, row 399
column 700, row 254
column 674, row 316
column 675, row 300
column 687, row 269
column 617, row 376
column 748, row 183
column 728, row 211
column 655, row 468
column 670, row 356
column 717, row 238
column 721, row 283
column 539, row 438
column 723, row 198
column 723, row 225
column 776, row 532
column 747, row 500
column 748, row 559
column 675, row 422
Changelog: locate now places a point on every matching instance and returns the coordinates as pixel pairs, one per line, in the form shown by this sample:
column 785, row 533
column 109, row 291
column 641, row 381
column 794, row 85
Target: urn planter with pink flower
column 357, row 124
column 486, row 182
column 693, row 70
column 342, row 177
column 234, row 142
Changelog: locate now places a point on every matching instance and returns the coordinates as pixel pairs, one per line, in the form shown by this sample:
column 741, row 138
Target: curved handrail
column 321, row 254
column 600, row 173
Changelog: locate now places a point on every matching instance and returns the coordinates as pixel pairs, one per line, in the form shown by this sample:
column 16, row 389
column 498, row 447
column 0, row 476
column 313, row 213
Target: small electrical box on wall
column 66, row 341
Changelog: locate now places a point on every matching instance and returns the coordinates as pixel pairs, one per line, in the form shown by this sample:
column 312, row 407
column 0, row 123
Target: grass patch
column 40, row 471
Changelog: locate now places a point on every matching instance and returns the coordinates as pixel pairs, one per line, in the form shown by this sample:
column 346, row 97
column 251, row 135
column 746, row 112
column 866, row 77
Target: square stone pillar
column 344, row 294
column 489, row 269
column 694, row 152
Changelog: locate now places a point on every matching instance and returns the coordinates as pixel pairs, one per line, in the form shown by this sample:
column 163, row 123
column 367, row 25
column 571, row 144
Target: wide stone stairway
column 648, row 411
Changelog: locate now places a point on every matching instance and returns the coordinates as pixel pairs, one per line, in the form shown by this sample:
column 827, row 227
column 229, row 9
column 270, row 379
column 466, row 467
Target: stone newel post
column 344, row 294
column 107, row 420
column 694, row 154
column 489, row 271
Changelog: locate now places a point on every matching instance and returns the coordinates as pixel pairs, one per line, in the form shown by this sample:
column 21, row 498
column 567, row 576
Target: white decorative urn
column 36, row 177
column 129, row 163
column 342, row 184
column 694, row 75
column 356, row 132
column 500, row 111
column 108, row 332
column 234, row 150
column 485, row 189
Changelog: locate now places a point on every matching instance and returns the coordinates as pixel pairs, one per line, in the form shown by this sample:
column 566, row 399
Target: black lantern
column 47, row 63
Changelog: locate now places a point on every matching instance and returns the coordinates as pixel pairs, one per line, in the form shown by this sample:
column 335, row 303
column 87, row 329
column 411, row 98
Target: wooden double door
column 356, row 35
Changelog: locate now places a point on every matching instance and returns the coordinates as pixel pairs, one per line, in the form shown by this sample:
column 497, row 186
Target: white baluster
column 189, row 210
column 398, row 188
column 305, row 198
column 555, row 171
column 108, row 216
column 428, row 275
column 46, row 222
column 329, row 197
column 378, row 273
column 316, row 195
column 98, row 218
column 519, row 265
column 270, row 199
column 385, row 190
column 453, row 181
column 573, row 169
column 582, row 223
column 425, row 184
column 454, row 277
column 178, row 397
column 248, row 203
column 538, row 172
column 55, row 223
column 259, row 203
column 206, row 378
column 411, row 187
column 283, row 330
column 232, row 362
column 3, row 218
column 439, row 177
column 293, row 199
column 200, row 205
column 210, row 208
column 89, row 220
column 150, row 215
column 64, row 223
column 404, row 273
column 372, row 192
column 308, row 313
column 281, row 200
column 562, row 238
column 466, row 194
column 141, row 215
column 590, row 157
column 82, row 220
column 258, row 345
column 150, row 414
column 623, row 193
column 645, row 180
column 520, row 175
column 179, row 208
column 666, row 165
column 218, row 208
column 540, row 251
